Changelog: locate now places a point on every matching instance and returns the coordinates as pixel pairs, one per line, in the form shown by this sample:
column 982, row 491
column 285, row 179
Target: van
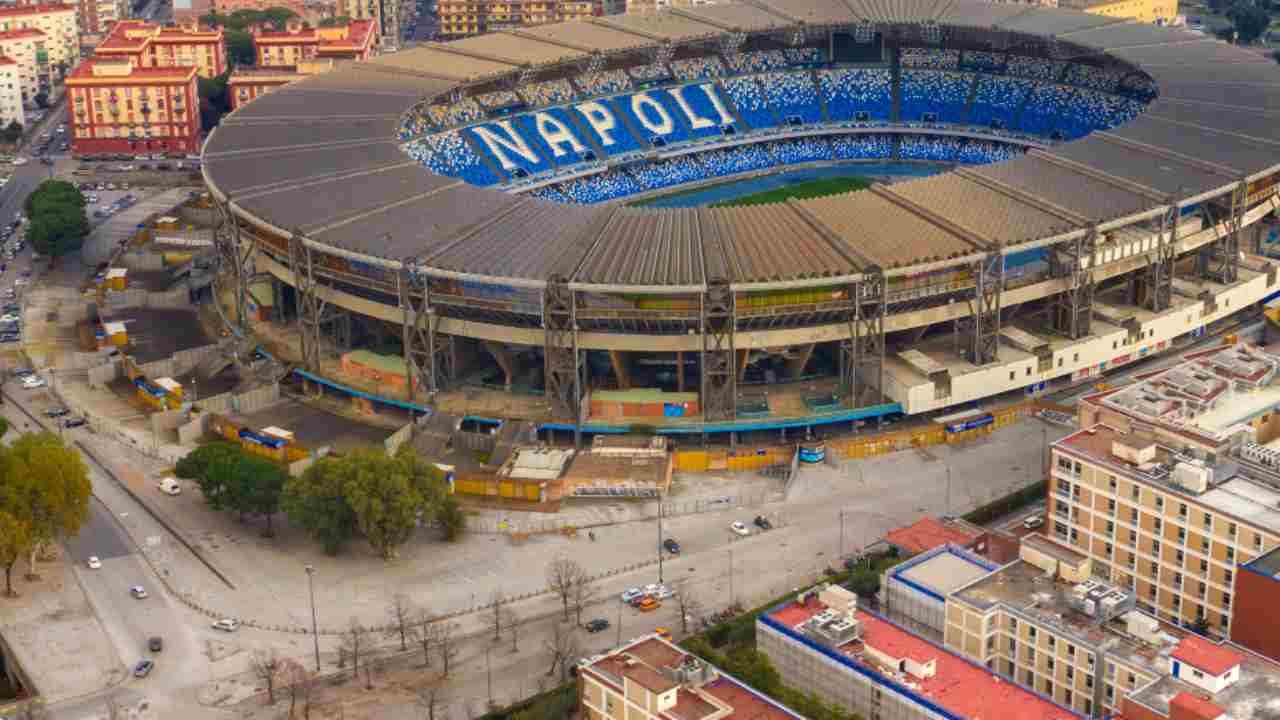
column 169, row 486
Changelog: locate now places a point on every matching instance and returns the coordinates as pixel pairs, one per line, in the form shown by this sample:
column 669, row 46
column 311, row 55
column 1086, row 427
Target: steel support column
column 563, row 368
column 235, row 261
column 1159, row 273
column 719, row 356
column 1220, row 260
column 982, row 327
column 425, row 357
column 864, row 352
column 309, row 304
column 1073, row 309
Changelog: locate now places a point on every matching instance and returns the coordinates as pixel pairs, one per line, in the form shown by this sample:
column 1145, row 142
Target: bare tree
column 267, row 665
column 563, row 575
column 112, row 709
column 512, row 621
column 369, row 667
column 433, row 700
column 689, row 604
column 563, row 645
column 294, row 677
column 497, row 616
column 400, row 611
column 352, row 642
column 583, row 594
column 447, row 645
column 423, row 631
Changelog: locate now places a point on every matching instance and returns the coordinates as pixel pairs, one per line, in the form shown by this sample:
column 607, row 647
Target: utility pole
column 315, row 636
column 619, row 642
column 841, row 534
column 948, row 510
column 659, row 538
column 489, row 673
column 730, row 577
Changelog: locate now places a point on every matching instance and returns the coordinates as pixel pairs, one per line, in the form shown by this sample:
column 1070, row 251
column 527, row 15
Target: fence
column 104, row 374
column 400, row 437
column 858, row 448
column 733, row 461
column 137, row 297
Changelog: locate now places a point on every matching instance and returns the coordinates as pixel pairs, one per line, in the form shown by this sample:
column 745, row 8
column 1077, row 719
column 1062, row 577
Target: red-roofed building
column 1185, row 706
column 248, row 83
column 59, row 23
column 1212, row 667
column 148, row 45
column 651, row 679
column 822, row 644
column 354, row 41
column 928, row 533
column 116, row 107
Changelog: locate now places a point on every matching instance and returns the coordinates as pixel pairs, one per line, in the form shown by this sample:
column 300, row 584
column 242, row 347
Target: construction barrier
column 742, row 460
column 271, row 445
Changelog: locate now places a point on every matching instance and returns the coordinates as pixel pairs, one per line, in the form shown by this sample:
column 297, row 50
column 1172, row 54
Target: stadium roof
column 321, row 155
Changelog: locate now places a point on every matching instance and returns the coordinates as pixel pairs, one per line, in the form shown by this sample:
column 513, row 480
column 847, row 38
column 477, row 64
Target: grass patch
column 800, row 191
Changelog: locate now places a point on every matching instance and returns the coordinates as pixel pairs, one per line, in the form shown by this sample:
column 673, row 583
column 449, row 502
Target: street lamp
column 315, row 636
column 659, row 538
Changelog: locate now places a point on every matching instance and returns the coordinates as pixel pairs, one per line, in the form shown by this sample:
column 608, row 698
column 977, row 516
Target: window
column 1182, row 535
column 1159, row 503
column 1031, row 632
column 1182, row 510
column 1231, row 552
column 1111, row 693
column 1226, row 577
column 1136, row 493
column 1257, row 542
column 1178, row 557
column 1071, row 650
column 1111, row 481
column 1226, row 601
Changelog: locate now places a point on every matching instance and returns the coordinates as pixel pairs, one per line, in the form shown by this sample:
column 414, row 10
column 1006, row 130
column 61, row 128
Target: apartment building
column 461, row 18
column 249, row 83
column 296, row 44
column 11, row 108
column 60, row 25
column 1179, row 484
column 651, row 679
column 117, row 107
column 1159, row 12
column 97, row 16
column 1208, row 681
column 28, row 49
column 823, row 643
column 149, row 45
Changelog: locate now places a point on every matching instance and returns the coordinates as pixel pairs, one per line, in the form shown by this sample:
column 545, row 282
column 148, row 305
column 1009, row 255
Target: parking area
column 109, row 232
column 315, row 427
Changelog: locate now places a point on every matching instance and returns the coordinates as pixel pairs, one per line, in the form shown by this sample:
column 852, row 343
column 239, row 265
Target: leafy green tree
column 214, row 100
column 450, row 517
column 46, row 484
column 58, row 222
column 13, row 132
column 15, row 541
column 316, row 502
column 52, row 194
column 4, row 426
column 753, row 667
column 239, row 46
column 197, row 462
column 261, row 487
column 336, row 21
column 1249, row 21
column 385, row 500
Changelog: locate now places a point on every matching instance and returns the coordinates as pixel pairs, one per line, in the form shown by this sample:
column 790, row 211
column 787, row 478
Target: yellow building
column 59, row 23
column 148, row 45
column 10, row 93
column 460, row 18
column 1158, row 12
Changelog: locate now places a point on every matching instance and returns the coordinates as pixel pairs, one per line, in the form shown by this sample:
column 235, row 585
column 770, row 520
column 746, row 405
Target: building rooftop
column 1267, row 564
column 1254, row 696
column 1206, row 656
column 1208, row 395
column 37, row 9
column 84, row 71
column 1249, row 494
column 135, row 35
column 942, row 570
column 24, row 33
column 702, row 691
column 956, row 685
column 928, row 533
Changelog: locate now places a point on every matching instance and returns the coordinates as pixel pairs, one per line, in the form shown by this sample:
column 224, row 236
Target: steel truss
column 1073, row 309
column 1159, row 272
column 563, row 368
column 1220, row 260
column 426, row 353
column 235, row 257
column 719, row 356
column 862, row 355
column 316, row 318
column 982, row 327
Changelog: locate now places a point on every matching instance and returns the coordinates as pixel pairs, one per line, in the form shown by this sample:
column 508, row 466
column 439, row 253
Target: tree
column 239, row 47
column 401, row 613
column 268, row 667
column 450, row 518
column 315, row 501
column 261, row 484
column 42, row 99
column 15, row 542
column 196, row 463
column 1249, row 21
column 512, row 621
column 385, row 502
column 58, row 222
column 13, row 132
column 46, row 484
column 214, row 101
column 335, row 21
column 496, row 617
column 434, row 700
column 446, row 645
column 563, row 576
column 753, row 667
column 4, row 426
column 585, row 593
column 425, row 631
column 297, row 683
column 563, row 646
column 689, row 604
column 352, row 643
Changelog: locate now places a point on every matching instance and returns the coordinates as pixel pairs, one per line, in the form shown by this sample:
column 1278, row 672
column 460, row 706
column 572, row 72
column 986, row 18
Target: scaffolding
column 1073, row 262
column 235, row 258
column 563, row 361
column 719, row 358
column 1220, row 260
column 978, row 336
column 862, row 355
column 426, row 358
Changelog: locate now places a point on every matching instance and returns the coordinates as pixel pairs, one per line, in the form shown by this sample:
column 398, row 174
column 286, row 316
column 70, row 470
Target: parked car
column 672, row 546
column 648, row 604
column 1033, row 522
column 138, row 592
column 94, row 563
column 143, row 669
column 739, row 529
column 662, row 592
column 597, row 625
column 11, row 338
column 763, row 523
column 74, row 422
column 32, row 383
column 155, row 644
column 227, row 625
column 54, row 412
column 632, row 594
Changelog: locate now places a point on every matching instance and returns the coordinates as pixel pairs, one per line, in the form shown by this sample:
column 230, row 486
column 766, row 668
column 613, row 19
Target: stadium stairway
column 484, row 157
column 895, row 69
column 1015, row 120
column 822, row 99
column 625, row 119
column 733, row 109
column 968, row 103
column 588, row 137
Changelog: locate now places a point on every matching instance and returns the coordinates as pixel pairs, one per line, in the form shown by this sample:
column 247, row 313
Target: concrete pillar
column 505, row 359
column 742, row 364
column 680, row 371
column 465, row 351
column 621, row 369
column 796, row 365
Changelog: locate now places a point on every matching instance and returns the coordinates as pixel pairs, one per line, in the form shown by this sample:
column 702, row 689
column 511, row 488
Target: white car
column 1033, row 522
column 19, row 161
column 227, row 625
column 11, row 317
column 739, row 529
column 662, row 592
column 94, row 563
column 32, row 383
column 138, row 591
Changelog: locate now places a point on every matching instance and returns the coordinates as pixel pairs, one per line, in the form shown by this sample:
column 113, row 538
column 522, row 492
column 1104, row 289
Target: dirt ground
column 156, row 333
column 315, row 427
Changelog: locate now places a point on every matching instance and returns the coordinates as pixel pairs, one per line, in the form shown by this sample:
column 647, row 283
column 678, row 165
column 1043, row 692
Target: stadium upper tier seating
column 564, row 124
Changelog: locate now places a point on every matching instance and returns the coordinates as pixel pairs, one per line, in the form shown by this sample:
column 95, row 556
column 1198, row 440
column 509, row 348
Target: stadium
column 470, row 210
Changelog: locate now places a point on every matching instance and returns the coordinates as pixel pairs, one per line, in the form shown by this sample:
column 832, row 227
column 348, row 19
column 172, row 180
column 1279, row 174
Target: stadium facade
column 1110, row 179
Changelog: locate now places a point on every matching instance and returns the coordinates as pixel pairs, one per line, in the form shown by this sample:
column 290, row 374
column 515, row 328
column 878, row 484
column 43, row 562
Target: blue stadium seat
column 850, row 92
column 862, row 147
column 489, row 138
column 792, row 95
column 447, row 154
column 997, row 100
column 929, row 92
column 750, row 101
